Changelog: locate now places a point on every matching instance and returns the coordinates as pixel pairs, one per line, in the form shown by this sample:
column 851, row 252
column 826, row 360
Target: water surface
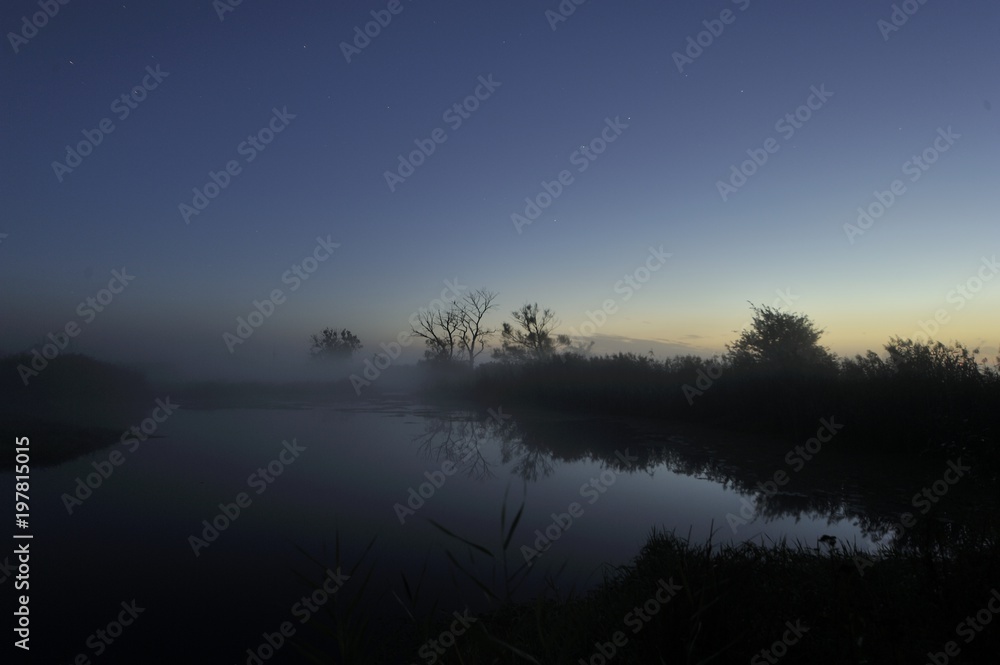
column 131, row 539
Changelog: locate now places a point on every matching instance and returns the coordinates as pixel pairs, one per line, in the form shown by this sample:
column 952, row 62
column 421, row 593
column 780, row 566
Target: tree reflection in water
column 531, row 445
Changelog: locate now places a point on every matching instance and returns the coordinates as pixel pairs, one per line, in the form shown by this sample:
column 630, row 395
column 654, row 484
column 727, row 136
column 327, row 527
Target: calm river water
column 312, row 476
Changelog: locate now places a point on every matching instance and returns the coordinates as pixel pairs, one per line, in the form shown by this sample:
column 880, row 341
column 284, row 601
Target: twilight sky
column 648, row 131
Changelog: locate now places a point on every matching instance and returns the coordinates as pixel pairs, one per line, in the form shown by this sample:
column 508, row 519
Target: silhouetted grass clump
column 683, row 602
column 736, row 600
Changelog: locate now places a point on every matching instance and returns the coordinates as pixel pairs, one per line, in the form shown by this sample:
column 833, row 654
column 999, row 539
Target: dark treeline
column 70, row 388
column 75, row 403
column 775, row 378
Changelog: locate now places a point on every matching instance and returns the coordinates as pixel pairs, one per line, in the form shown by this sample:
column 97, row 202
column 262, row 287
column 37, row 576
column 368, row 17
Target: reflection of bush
column 532, row 444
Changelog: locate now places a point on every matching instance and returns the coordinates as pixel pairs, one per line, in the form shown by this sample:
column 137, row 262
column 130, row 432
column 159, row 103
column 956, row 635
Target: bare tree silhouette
column 440, row 331
column 473, row 333
column 460, row 330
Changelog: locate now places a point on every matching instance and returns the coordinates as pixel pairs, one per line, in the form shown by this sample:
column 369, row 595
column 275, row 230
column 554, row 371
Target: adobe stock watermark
column 37, row 21
column 696, row 44
column 779, row 648
column 381, row 18
column 455, row 115
column 925, row 499
column 133, row 436
column 900, row 16
column 433, row 648
column 451, row 292
column 704, row 379
column 223, row 7
column 102, row 638
column 86, row 310
column 627, row 286
column 969, row 628
column 915, row 168
column 293, row 277
column 260, row 479
column 303, row 610
column 581, row 158
column 6, row 570
column 249, row 149
column 592, row 490
column 417, row 497
column 959, row 297
column 787, row 125
column 122, row 106
column 636, row 620
column 562, row 12
column 22, row 615
column 795, row 458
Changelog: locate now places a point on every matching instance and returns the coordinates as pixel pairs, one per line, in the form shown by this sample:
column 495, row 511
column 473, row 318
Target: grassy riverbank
column 681, row 602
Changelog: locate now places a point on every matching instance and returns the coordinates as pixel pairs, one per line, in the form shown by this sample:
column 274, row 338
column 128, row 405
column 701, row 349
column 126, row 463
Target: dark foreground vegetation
column 683, row 602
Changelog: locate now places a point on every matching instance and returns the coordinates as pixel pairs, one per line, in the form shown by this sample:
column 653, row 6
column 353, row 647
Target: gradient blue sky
column 655, row 185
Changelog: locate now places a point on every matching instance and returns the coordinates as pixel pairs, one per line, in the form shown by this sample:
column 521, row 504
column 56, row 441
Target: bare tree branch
column 440, row 330
column 459, row 331
column 473, row 333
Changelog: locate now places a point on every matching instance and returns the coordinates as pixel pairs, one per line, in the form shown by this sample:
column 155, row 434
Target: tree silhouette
column 779, row 340
column 532, row 338
column 473, row 333
column 334, row 344
column 933, row 360
column 458, row 330
column 440, row 331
